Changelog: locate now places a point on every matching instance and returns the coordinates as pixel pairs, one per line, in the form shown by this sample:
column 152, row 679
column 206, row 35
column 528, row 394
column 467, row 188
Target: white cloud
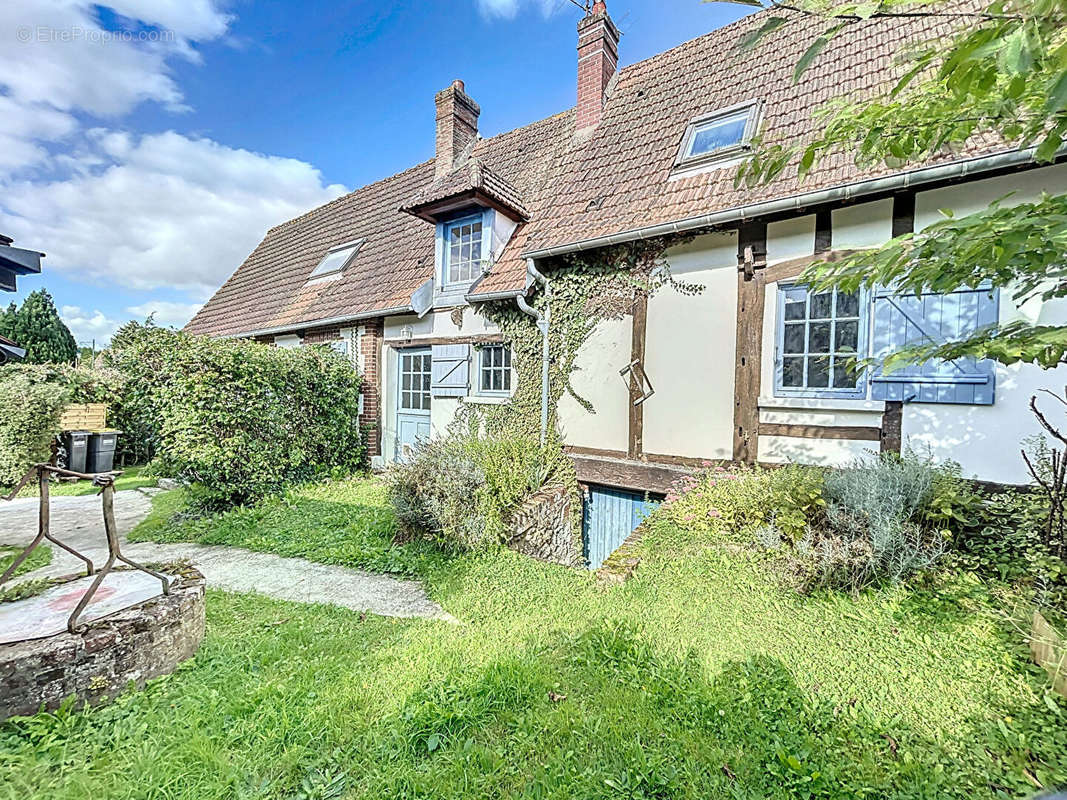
column 507, row 9
column 165, row 313
column 55, row 52
column 109, row 205
column 159, row 211
column 88, row 326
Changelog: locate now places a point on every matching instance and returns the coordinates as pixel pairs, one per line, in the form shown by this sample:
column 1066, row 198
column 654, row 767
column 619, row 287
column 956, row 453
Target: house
column 400, row 273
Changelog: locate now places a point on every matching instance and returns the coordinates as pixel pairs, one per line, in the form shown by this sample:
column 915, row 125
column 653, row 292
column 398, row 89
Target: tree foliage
column 998, row 71
column 36, row 326
column 235, row 418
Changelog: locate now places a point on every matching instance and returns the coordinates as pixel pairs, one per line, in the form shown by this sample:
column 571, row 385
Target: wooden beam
column 892, row 418
column 785, row 270
column 751, row 255
column 635, row 438
column 903, row 213
column 626, row 474
column 823, row 233
column 853, row 432
column 687, row 462
column 480, row 338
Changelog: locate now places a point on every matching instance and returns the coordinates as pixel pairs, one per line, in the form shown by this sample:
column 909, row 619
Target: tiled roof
column 270, row 291
column 621, row 181
column 617, row 181
column 470, row 177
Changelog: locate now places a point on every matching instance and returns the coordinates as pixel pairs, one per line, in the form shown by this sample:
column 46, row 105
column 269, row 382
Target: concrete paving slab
column 78, row 521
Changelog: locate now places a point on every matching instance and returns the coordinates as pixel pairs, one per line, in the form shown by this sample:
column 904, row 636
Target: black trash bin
column 76, row 443
column 101, row 451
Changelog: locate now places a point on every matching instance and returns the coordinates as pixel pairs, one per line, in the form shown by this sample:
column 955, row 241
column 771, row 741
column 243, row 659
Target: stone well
column 131, row 646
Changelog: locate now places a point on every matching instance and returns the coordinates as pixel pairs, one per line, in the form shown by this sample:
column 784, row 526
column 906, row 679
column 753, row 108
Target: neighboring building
column 14, row 261
column 748, row 369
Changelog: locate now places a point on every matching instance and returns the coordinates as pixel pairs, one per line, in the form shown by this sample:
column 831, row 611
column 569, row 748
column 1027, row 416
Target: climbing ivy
column 585, row 289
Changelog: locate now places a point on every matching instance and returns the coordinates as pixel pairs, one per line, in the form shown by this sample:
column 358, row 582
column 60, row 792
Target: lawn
column 346, row 522
column 700, row 677
column 40, row 557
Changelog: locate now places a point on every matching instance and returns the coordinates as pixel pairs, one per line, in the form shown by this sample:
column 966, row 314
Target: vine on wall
column 586, row 289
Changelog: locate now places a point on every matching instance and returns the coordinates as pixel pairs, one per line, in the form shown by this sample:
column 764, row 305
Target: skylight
column 721, row 135
column 336, row 259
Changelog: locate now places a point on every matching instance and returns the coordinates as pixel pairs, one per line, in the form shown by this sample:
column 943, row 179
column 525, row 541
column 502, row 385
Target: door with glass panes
column 412, row 400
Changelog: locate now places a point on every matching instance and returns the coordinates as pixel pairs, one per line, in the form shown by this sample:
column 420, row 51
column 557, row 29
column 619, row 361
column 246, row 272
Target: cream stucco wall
column 689, row 353
column 438, row 324
column 596, row 379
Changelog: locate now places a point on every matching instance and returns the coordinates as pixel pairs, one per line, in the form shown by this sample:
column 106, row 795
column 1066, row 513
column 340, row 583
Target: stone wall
column 136, row 644
column 544, row 529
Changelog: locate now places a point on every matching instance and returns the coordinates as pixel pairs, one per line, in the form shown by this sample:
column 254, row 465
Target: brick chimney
column 457, row 126
column 598, row 58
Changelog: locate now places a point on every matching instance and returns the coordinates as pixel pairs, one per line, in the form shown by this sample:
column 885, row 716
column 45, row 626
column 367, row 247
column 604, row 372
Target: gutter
column 505, row 294
column 319, row 323
column 797, row 202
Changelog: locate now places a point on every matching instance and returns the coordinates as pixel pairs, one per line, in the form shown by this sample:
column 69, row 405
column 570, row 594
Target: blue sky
column 146, row 145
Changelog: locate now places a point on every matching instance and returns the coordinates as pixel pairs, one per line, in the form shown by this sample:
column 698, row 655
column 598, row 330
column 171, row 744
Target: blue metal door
column 412, row 400
column 609, row 516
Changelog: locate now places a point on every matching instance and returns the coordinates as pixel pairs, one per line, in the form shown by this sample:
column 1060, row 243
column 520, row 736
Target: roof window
column 719, row 136
column 337, row 259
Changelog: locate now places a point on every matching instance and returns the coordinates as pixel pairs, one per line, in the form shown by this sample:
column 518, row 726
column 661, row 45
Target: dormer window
column 463, row 251
column 336, row 259
column 719, row 136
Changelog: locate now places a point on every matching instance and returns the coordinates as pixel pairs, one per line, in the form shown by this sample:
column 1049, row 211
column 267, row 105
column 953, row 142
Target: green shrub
column 462, row 488
column 795, row 498
column 1008, row 544
column 237, row 419
column 33, row 397
column 742, row 500
column 876, row 520
column 877, row 526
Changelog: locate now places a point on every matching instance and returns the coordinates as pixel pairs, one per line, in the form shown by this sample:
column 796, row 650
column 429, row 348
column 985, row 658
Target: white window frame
column 685, row 161
column 507, row 372
column 856, row 391
column 446, row 260
column 355, row 245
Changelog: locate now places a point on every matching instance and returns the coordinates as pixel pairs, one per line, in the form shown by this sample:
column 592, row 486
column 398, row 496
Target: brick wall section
column 373, row 331
column 137, row 644
column 598, row 58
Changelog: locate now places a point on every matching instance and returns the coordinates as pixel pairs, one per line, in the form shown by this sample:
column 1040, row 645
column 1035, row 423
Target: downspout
column 542, row 319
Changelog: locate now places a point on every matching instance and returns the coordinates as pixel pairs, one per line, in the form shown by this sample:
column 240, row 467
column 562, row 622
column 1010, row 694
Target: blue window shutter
column 450, row 373
column 902, row 320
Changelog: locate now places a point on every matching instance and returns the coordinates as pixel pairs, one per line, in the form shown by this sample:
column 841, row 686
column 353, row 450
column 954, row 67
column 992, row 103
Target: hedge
column 32, row 398
column 237, row 419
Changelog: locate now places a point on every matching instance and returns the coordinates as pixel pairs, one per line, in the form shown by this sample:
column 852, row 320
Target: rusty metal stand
column 41, row 471
column 106, row 482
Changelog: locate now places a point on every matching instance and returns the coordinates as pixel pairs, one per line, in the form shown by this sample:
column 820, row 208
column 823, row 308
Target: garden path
column 78, row 521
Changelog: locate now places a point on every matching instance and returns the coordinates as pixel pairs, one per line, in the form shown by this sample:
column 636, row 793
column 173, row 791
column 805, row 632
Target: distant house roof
column 566, row 190
column 15, row 261
column 9, row 351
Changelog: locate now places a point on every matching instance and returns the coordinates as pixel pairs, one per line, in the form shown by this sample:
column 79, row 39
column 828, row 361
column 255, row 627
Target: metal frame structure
column 106, row 482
